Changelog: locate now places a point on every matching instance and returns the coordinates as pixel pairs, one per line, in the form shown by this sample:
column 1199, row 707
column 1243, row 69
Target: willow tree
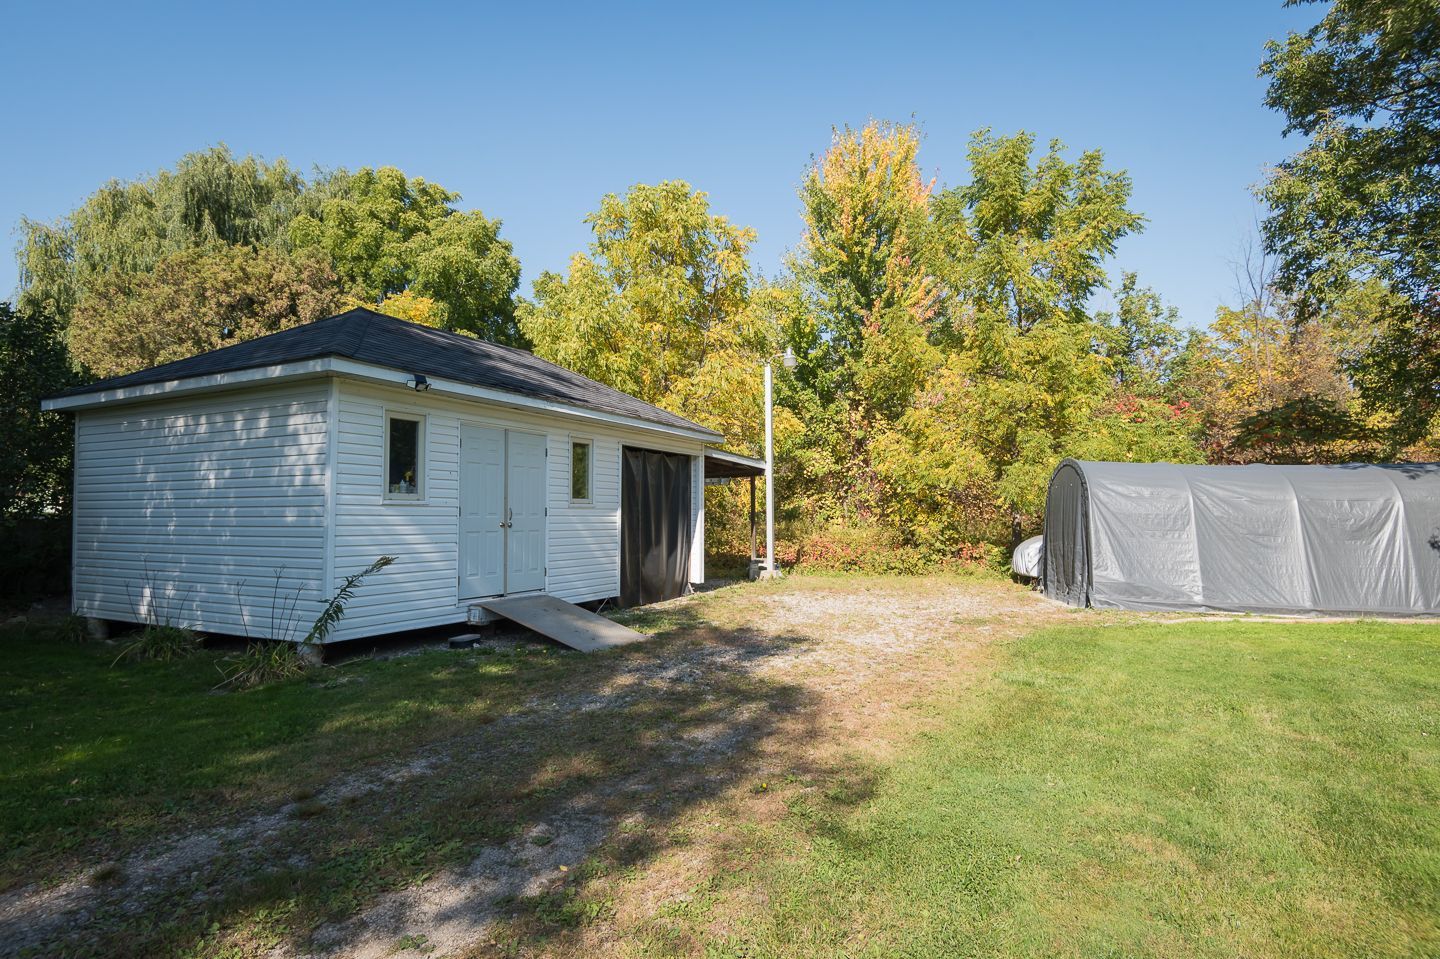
column 383, row 236
column 128, row 227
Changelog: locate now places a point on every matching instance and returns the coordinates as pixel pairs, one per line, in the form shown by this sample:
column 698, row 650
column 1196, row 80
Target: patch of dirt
column 448, row 912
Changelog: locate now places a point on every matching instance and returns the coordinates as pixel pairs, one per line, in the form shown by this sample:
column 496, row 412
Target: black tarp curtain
column 654, row 526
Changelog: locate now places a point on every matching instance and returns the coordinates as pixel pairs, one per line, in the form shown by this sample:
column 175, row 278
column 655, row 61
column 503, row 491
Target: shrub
column 69, row 628
column 262, row 663
column 161, row 642
column 334, row 610
column 265, row 662
column 728, row 565
column 872, row 550
column 34, row 559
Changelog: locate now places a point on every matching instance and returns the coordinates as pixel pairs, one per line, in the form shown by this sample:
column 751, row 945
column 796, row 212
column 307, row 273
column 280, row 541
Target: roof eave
column 733, row 464
column 182, row 387
column 369, row 372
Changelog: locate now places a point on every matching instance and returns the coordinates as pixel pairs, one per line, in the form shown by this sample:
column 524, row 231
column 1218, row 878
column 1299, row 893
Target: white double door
column 502, row 511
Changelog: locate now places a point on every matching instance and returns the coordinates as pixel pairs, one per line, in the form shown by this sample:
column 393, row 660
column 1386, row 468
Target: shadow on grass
column 535, row 762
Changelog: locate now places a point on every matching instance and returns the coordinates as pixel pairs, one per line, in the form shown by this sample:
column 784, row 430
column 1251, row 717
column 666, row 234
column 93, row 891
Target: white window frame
column 421, row 487
column 589, row 499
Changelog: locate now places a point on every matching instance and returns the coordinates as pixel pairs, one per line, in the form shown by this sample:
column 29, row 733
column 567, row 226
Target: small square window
column 580, row 471
column 404, row 456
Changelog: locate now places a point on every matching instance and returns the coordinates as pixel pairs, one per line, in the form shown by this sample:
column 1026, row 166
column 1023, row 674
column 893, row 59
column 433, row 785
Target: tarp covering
column 1287, row 539
column 654, row 526
column 1025, row 561
column 1064, row 560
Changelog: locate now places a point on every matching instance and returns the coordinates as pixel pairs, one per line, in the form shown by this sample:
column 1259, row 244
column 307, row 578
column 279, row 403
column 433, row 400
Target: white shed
column 220, row 491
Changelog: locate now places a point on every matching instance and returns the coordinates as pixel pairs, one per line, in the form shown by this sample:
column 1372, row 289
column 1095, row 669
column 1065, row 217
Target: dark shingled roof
column 370, row 337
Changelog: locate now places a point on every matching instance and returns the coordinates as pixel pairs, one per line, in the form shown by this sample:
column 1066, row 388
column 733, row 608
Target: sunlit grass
column 1216, row 789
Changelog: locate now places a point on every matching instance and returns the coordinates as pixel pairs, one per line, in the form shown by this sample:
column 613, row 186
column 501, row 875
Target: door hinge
column 547, row 511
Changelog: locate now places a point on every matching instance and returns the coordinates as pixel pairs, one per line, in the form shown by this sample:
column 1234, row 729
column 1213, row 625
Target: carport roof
column 720, row 464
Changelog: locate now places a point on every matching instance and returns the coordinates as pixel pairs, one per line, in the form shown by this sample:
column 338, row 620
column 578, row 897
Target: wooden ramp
column 563, row 622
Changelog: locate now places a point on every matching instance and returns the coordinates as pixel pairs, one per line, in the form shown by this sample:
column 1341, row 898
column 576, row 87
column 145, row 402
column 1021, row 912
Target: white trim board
column 351, row 369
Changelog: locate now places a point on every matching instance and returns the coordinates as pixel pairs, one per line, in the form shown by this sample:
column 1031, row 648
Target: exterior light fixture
column 788, row 360
column 418, row 382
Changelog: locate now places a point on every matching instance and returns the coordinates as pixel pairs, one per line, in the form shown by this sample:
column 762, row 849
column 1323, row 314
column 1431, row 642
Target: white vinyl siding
column 187, row 510
column 421, row 588
column 585, row 538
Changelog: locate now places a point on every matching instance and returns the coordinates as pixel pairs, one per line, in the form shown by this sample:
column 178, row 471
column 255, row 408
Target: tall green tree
column 197, row 300
column 1360, row 202
column 128, row 227
column 1025, row 382
column 1026, row 240
column 363, row 221
column 471, row 273
column 1148, row 351
column 655, row 296
column 949, row 355
column 865, row 261
column 662, row 307
column 35, row 447
column 388, row 234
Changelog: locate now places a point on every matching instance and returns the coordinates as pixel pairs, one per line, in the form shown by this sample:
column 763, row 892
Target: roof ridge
column 482, row 345
column 367, row 316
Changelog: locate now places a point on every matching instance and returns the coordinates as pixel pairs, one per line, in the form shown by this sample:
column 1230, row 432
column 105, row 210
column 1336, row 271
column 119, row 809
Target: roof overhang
column 368, row 372
column 236, row 379
column 720, row 464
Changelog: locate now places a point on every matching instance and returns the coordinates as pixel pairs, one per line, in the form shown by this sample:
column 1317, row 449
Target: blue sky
column 534, row 111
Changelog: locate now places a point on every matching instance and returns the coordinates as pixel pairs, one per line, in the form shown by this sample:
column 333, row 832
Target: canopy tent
column 1278, row 539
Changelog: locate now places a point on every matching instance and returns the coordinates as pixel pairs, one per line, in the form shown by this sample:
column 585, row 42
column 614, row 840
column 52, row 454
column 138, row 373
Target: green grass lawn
column 105, row 760
column 1117, row 789
column 99, row 757
column 1211, row 789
